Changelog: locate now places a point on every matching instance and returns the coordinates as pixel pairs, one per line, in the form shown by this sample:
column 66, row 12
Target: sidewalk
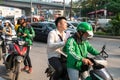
column 104, row 36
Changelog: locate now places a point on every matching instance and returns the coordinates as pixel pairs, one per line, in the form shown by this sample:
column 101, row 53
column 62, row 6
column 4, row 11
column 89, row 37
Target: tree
column 89, row 5
column 114, row 7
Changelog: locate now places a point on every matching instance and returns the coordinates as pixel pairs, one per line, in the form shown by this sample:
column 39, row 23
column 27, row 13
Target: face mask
column 84, row 38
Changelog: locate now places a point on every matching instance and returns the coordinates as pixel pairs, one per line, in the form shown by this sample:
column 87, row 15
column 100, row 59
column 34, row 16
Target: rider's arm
column 19, row 30
column 51, row 41
column 31, row 32
column 92, row 50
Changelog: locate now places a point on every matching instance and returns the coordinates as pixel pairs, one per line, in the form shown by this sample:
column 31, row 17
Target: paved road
column 113, row 49
column 39, row 62
column 39, row 59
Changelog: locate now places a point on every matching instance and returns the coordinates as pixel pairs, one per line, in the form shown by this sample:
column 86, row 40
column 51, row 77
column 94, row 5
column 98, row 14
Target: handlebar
column 15, row 40
column 103, row 53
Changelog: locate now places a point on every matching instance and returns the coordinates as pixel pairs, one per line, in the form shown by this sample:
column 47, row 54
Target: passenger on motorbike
column 7, row 34
column 20, row 21
column 56, row 40
column 24, row 33
column 77, row 48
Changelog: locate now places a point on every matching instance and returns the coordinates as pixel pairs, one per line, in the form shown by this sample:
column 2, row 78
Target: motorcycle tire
column 51, row 78
column 0, row 53
column 16, row 71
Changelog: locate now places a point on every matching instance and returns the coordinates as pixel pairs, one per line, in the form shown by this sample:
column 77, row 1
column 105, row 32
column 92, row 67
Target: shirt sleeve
column 70, row 49
column 31, row 33
column 51, row 41
column 92, row 50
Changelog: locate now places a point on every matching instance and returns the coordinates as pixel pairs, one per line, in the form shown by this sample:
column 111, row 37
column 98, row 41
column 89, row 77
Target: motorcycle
column 97, row 71
column 13, row 59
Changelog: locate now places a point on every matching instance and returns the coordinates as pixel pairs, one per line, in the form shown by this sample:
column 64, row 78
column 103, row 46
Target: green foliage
column 88, row 6
column 1, row 1
column 115, row 22
column 100, row 33
column 114, row 6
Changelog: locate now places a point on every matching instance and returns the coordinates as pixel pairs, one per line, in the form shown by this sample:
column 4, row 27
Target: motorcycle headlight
column 19, row 58
column 21, row 42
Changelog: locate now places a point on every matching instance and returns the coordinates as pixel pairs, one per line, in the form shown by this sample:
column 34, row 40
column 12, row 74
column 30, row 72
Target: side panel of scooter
column 100, row 74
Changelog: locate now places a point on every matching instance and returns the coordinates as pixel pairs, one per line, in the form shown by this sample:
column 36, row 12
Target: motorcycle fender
column 19, row 59
column 101, row 74
column 6, row 56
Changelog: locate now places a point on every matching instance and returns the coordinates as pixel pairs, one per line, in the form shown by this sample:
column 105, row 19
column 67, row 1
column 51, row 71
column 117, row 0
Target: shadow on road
column 3, row 73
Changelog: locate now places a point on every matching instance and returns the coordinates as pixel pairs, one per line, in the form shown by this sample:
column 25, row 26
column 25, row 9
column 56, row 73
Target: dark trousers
column 56, row 64
column 27, row 61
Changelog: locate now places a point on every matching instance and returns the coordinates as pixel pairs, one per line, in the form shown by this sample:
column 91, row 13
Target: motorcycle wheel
column 0, row 53
column 16, row 71
column 51, row 78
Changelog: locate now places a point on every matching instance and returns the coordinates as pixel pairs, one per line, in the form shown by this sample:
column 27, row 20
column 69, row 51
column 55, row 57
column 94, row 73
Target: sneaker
column 30, row 70
column 25, row 68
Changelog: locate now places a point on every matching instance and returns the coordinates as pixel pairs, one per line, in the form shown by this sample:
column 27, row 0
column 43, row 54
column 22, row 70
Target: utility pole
column 63, row 7
column 71, row 10
column 95, row 16
column 31, row 10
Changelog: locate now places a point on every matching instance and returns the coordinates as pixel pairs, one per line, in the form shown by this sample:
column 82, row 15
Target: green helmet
column 85, row 27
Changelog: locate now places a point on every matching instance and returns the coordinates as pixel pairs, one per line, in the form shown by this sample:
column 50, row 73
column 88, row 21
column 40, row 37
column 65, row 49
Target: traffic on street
column 59, row 40
column 38, row 56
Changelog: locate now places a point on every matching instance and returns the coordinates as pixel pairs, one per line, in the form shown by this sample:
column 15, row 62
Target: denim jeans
column 73, row 74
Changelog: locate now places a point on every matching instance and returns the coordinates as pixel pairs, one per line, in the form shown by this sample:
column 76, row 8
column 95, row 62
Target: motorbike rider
column 20, row 21
column 56, row 40
column 25, row 34
column 77, row 48
column 18, row 24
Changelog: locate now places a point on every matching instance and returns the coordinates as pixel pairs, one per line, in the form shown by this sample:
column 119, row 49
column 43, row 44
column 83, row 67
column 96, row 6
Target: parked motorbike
column 14, row 58
column 97, row 72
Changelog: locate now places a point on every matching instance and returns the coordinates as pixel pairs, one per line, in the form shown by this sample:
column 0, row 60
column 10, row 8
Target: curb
column 104, row 36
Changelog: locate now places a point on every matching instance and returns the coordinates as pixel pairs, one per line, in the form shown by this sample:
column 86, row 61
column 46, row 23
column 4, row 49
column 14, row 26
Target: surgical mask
column 84, row 38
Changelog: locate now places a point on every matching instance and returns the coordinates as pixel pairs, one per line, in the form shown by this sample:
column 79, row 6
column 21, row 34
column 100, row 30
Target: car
column 42, row 29
column 72, row 25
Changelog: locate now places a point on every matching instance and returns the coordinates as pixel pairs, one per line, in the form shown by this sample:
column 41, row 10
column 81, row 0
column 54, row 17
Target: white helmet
column 7, row 21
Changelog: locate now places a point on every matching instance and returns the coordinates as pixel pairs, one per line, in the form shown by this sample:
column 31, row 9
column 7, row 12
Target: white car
column 72, row 25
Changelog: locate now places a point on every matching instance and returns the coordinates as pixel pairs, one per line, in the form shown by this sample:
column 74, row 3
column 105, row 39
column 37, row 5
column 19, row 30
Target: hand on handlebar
column 87, row 61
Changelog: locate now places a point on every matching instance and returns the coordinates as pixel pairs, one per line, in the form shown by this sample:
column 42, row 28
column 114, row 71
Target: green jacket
column 75, row 53
column 30, row 34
